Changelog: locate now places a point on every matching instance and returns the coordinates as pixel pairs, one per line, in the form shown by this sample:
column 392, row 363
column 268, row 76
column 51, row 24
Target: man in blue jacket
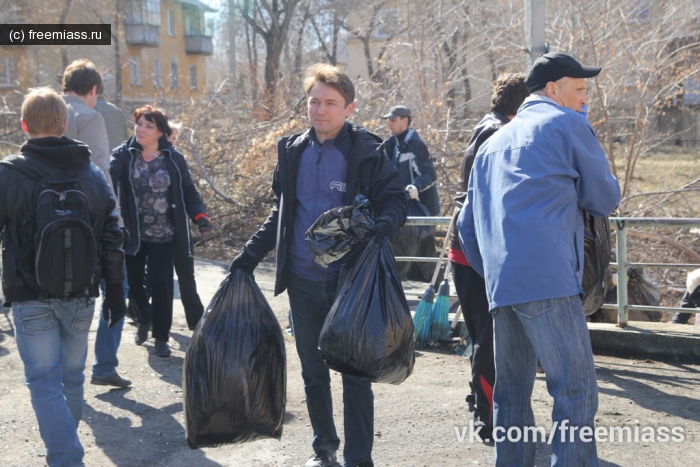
column 322, row 168
column 522, row 229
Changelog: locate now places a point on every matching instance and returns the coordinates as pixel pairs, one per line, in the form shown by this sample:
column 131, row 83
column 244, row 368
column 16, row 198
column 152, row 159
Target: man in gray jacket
column 114, row 122
column 82, row 84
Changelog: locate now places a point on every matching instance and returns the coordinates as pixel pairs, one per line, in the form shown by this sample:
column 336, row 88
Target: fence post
column 621, row 274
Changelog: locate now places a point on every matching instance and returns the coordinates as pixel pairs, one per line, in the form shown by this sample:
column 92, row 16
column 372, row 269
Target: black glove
column 381, row 230
column 113, row 304
column 204, row 224
column 245, row 262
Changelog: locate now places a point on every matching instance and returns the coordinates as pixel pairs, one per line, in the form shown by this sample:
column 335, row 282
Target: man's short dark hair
column 509, row 92
column 154, row 115
column 81, row 76
column 331, row 76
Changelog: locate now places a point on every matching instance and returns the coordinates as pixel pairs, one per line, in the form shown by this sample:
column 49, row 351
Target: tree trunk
column 62, row 20
column 252, row 65
column 231, row 23
column 117, row 54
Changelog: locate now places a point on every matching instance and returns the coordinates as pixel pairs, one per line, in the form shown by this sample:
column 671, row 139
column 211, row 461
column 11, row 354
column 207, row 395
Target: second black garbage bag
column 596, row 252
column 338, row 232
column 234, row 375
column 368, row 332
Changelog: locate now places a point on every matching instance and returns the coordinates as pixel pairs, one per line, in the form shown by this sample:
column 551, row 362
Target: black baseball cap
column 554, row 66
column 398, row 111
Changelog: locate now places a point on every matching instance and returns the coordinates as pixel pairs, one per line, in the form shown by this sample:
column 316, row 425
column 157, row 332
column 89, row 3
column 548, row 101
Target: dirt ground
column 416, row 423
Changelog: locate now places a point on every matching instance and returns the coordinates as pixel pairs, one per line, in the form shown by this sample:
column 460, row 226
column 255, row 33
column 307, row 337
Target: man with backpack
column 60, row 237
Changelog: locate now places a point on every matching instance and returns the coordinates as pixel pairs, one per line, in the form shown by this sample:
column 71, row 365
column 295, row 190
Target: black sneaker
column 111, row 380
column 162, row 348
column 322, row 459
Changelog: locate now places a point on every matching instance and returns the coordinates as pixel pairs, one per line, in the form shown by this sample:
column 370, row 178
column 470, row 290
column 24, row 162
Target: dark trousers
column 158, row 257
column 471, row 291
column 184, row 268
column 310, row 302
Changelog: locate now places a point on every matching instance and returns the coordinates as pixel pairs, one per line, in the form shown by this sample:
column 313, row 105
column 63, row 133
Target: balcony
column 198, row 45
column 147, row 35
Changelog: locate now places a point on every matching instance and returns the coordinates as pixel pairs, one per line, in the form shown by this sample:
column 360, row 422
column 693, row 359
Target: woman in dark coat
column 157, row 197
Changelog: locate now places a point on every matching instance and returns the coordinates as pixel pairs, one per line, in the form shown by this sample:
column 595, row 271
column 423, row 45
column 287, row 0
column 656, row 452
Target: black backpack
column 65, row 249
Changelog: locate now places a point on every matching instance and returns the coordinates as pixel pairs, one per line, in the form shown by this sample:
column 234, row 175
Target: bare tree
column 270, row 19
column 648, row 51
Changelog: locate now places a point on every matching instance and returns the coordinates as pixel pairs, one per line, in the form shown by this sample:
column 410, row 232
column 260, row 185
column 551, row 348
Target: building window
column 143, row 12
column 171, row 23
column 152, row 12
column 135, row 71
column 157, row 74
column 173, row 74
column 188, row 25
column 193, row 77
column 194, row 22
column 7, row 72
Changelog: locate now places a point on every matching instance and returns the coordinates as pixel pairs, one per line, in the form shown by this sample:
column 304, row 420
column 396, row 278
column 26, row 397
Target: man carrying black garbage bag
column 521, row 229
column 322, row 168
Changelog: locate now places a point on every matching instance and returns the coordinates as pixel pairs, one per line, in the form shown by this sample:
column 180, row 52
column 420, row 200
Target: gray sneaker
column 322, row 459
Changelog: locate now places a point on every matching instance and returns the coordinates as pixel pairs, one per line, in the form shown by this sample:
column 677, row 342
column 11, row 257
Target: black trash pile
column 413, row 240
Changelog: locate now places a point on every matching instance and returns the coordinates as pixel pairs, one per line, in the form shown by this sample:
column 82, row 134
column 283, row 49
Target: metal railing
column 620, row 224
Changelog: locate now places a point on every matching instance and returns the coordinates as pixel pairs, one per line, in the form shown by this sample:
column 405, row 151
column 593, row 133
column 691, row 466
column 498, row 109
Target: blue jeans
column 107, row 340
column 310, row 302
column 52, row 338
column 554, row 331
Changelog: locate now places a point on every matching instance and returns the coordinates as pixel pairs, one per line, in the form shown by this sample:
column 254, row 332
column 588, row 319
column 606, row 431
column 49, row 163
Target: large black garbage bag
column 369, row 331
column 234, row 377
column 409, row 240
column 596, row 261
column 338, row 232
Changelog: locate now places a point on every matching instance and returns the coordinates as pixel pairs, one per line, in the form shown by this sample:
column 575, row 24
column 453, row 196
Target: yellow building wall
column 169, row 48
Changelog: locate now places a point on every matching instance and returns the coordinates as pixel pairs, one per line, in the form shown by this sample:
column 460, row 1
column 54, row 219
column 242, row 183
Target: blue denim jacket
column 522, row 225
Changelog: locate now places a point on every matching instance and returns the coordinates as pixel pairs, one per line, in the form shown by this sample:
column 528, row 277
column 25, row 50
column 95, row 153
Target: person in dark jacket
column 52, row 332
column 509, row 92
column 184, row 264
column 156, row 195
column 410, row 155
column 322, row 168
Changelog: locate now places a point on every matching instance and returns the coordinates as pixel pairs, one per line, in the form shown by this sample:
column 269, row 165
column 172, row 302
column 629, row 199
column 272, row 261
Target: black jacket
column 369, row 173
column 17, row 216
column 415, row 167
column 183, row 196
column 490, row 124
